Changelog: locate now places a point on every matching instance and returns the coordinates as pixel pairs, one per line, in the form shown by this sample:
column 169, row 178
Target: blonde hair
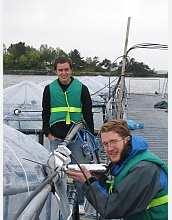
column 119, row 126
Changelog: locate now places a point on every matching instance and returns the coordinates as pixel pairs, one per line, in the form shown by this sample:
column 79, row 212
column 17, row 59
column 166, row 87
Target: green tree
column 107, row 64
column 77, row 60
column 93, row 65
column 19, row 56
column 17, row 50
column 136, row 68
column 23, row 62
column 60, row 52
column 34, row 59
column 89, row 66
column 49, row 54
column 8, row 61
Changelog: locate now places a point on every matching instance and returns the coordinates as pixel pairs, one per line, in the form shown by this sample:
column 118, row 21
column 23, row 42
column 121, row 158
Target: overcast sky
column 93, row 27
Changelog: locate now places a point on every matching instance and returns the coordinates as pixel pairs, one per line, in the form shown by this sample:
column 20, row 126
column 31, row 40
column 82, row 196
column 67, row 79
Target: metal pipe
column 36, row 203
column 34, row 131
column 69, row 137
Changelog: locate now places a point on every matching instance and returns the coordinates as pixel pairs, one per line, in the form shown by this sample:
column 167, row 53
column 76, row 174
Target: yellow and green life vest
column 65, row 106
column 158, row 207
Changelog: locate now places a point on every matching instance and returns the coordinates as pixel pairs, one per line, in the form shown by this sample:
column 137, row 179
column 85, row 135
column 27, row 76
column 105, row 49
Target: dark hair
column 62, row 60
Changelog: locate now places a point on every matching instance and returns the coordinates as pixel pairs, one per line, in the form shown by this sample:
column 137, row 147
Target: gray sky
column 93, row 27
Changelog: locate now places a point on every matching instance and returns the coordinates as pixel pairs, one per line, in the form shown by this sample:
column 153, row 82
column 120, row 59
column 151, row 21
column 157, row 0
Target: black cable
column 85, row 125
column 47, row 180
column 73, row 125
column 88, row 184
column 148, row 46
column 142, row 45
column 105, row 85
column 34, row 193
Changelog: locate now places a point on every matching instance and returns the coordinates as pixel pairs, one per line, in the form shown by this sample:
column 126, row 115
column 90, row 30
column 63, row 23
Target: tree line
column 21, row 57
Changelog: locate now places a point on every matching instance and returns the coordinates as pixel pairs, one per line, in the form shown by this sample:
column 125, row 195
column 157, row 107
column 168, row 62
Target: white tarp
column 96, row 87
column 25, row 96
column 20, row 176
column 101, row 79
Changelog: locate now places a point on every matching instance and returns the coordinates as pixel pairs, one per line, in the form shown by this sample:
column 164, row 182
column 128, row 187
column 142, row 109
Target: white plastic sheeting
column 99, row 94
column 96, row 87
column 20, row 176
column 26, row 97
column 101, row 79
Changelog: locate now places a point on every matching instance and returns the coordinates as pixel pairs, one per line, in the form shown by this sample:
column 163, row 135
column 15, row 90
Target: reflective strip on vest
column 66, row 109
column 110, row 187
column 158, row 201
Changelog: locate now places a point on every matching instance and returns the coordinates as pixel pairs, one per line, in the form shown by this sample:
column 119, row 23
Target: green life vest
column 65, row 106
column 158, row 207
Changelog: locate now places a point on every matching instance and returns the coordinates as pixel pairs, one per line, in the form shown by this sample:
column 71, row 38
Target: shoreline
column 51, row 73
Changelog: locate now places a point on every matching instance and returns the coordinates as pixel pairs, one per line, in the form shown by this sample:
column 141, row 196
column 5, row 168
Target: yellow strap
column 158, row 201
column 66, row 109
column 110, row 187
column 67, row 113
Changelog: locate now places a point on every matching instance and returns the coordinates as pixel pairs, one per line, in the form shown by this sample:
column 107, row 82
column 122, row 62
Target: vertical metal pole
column 123, row 70
column 109, row 85
column 41, row 137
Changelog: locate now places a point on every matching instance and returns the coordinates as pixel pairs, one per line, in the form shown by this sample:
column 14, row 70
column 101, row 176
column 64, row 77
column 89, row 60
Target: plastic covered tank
column 21, row 176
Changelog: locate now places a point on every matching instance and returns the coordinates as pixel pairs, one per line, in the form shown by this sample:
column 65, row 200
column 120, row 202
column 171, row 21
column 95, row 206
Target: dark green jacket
column 158, row 207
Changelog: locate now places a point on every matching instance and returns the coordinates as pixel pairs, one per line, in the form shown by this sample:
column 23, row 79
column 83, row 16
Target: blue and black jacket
column 138, row 181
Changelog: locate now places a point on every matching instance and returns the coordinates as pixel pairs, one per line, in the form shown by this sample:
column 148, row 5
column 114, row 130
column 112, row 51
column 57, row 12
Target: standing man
column 140, row 187
column 65, row 101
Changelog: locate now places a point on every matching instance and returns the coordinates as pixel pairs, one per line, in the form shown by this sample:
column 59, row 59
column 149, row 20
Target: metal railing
column 158, row 86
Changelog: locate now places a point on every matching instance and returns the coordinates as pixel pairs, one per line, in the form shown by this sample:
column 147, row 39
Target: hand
column 50, row 137
column 78, row 175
